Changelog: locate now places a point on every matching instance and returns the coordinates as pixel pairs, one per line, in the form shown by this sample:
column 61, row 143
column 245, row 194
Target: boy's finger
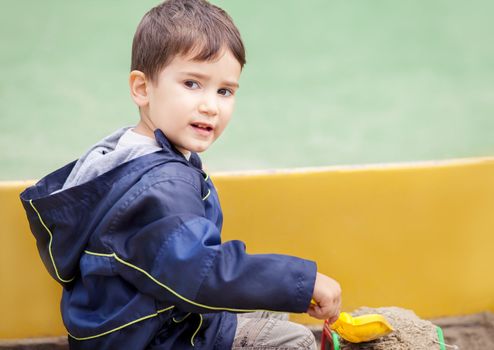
column 332, row 319
column 317, row 312
column 312, row 313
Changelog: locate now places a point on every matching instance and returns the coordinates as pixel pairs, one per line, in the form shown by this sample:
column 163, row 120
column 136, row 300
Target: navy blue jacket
column 139, row 255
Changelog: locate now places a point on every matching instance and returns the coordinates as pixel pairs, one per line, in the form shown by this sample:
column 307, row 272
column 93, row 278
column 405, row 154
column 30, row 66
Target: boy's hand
column 327, row 295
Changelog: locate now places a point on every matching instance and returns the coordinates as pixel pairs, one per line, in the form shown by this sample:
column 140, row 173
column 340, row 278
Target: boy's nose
column 208, row 106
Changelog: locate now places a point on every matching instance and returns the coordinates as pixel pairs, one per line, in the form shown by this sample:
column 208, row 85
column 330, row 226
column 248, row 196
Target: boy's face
column 191, row 102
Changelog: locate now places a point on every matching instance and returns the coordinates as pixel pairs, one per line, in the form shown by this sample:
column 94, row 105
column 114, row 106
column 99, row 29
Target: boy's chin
column 195, row 148
column 198, row 148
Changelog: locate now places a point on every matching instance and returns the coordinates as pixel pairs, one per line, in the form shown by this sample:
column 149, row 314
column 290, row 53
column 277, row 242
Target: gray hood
column 104, row 156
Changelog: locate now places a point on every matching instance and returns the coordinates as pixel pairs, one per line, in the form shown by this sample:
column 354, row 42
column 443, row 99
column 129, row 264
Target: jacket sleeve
column 166, row 247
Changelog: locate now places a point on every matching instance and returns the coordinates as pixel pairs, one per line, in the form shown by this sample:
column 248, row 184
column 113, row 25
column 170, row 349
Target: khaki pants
column 271, row 331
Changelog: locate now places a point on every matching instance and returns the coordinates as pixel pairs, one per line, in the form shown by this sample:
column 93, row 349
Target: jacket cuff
column 305, row 284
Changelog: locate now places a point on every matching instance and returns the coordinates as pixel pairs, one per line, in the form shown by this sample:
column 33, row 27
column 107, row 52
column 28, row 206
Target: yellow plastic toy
column 361, row 328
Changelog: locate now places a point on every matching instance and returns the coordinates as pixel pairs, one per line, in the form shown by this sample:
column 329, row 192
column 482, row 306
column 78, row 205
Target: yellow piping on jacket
column 49, row 245
column 120, row 260
column 122, row 326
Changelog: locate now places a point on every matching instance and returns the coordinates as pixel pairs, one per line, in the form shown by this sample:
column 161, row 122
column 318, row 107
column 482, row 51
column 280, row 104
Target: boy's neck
column 142, row 129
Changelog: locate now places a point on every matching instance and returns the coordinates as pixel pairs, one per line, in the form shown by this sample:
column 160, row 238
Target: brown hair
column 182, row 27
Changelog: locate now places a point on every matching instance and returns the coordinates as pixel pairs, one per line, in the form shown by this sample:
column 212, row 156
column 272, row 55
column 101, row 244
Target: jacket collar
column 163, row 141
column 167, row 146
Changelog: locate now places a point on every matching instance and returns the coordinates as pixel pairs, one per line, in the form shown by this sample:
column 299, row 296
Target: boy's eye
column 225, row 92
column 191, row 84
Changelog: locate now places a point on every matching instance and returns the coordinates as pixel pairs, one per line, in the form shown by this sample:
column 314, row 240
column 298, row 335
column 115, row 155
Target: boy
column 132, row 229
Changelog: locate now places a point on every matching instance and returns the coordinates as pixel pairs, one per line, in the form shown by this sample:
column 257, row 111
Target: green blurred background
column 327, row 82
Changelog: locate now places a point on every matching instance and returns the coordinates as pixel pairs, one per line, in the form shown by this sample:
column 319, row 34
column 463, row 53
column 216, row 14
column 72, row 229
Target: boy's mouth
column 201, row 126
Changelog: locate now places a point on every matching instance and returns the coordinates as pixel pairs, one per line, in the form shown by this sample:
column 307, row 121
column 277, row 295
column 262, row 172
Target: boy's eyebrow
column 205, row 77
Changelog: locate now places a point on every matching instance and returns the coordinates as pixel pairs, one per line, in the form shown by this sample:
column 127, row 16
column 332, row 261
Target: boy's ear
column 138, row 88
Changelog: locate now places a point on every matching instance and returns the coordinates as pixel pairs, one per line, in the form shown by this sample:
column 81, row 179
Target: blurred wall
column 326, row 82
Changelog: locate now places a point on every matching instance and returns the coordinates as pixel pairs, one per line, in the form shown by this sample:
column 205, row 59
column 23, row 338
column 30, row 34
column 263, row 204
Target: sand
column 411, row 332
column 472, row 332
